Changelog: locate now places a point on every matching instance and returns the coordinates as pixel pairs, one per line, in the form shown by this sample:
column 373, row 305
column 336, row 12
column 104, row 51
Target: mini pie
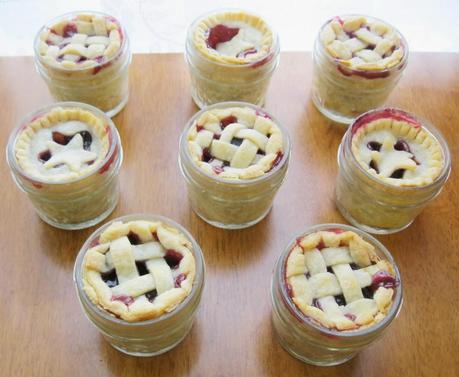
column 233, row 38
column 88, row 40
column 336, row 278
column 235, row 143
column 362, row 44
column 62, row 144
column 395, row 148
column 139, row 270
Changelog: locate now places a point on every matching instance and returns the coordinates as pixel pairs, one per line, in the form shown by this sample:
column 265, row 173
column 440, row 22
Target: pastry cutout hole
column 398, row 174
column 110, row 278
column 236, row 141
column 44, row 156
column 141, row 268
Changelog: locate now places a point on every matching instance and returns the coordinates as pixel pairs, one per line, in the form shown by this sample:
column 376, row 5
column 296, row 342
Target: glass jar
column 342, row 93
column 231, row 203
column 146, row 338
column 304, row 338
column 373, row 205
column 105, row 85
column 72, row 203
column 213, row 82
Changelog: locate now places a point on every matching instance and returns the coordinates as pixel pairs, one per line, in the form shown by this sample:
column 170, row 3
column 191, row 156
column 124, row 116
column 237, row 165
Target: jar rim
column 403, row 42
column 124, row 43
column 184, row 150
column 115, row 142
column 198, row 282
column 274, row 50
column 346, row 142
column 279, row 274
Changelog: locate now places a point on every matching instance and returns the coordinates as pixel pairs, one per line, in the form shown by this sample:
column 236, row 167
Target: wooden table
column 43, row 331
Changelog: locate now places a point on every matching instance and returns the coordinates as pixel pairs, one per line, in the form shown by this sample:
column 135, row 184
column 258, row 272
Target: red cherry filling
column 340, row 300
column 219, row 34
column 383, row 279
column 126, row 300
column 110, row 278
column 173, row 258
column 151, row 295
column 246, row 52
column 373, row 165
column 179, row 279
column 134, row 238
column 316, row 303
column 69, row 30
column 218, row 169
column 228, row 120
column 350, row 316
column 65, row 139
column 398, row 174
column 402, row 145
column 142, row 268
column 199, row 128
column 206, row 156
column 388, row 113
column 374, row 146
column 44, row 156
column 276, row 161
column 262, row 114
column 236, row 141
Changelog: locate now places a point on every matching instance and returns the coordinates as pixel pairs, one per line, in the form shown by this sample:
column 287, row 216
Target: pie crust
column 363, row 44
column 139, row 270
column 235, row 143
column 87, row 40
column 395, row 148
column 247, row 38
column 337, row 279
column 63, row 144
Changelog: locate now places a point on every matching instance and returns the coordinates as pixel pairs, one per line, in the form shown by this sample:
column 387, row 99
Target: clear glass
column 375, row 206
column 105, row 86
column 307, row 340
column 230, row 203
column 213, row 82
column 78, row 203
column 145, row 338
column 341, row 93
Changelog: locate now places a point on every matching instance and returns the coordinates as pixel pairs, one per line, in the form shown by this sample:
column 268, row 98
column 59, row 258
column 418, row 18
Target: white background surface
column 160, row 25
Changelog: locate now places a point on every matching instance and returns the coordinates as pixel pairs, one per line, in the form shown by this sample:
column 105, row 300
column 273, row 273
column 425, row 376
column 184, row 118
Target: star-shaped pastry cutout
column 389, row 159
column 73, row 154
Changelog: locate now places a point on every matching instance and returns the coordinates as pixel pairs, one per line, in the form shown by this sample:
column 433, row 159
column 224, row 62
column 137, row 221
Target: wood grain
column 43, row 331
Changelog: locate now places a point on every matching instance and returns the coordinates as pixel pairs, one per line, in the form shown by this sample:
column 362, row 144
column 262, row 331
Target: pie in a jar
column 87, row 40
column 234, row 37
column 363, row 44
column 337, row 279
column 396, row 149
column 236, row 143
column 63, row 144
column 139, row 270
